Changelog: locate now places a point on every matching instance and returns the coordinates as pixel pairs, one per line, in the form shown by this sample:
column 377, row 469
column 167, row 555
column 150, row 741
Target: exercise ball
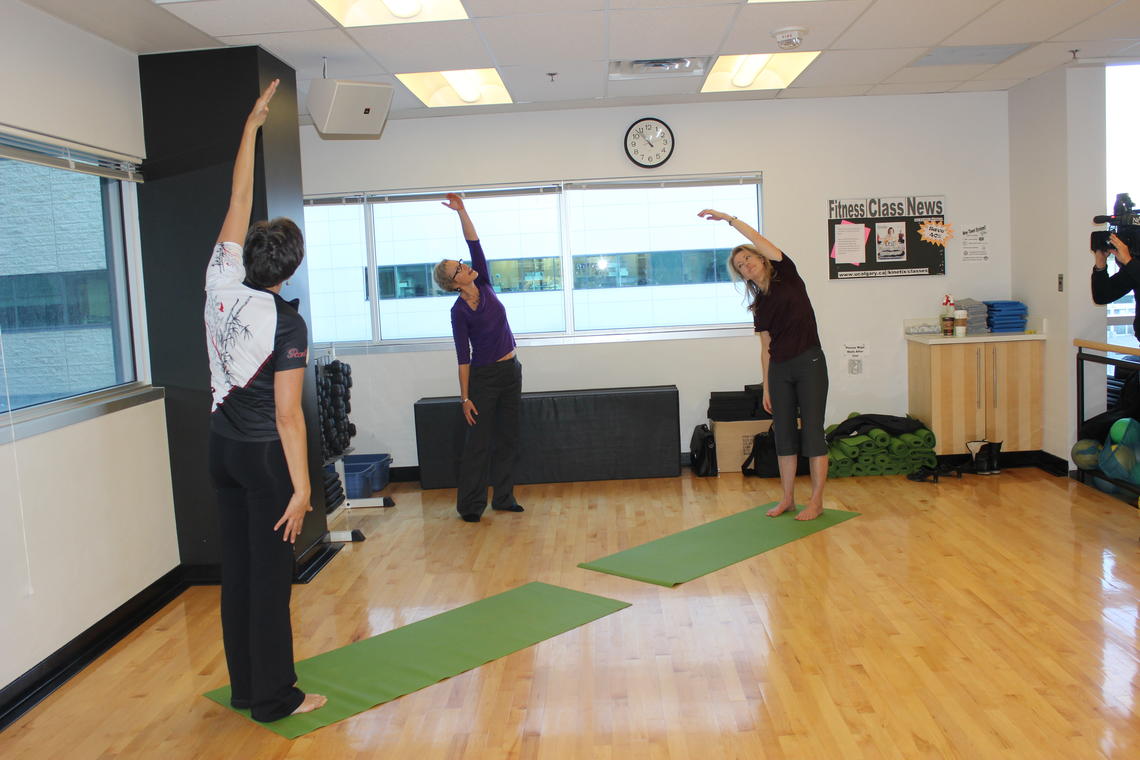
column 1085, row 453
column 1124, row 456
column 1119, row 429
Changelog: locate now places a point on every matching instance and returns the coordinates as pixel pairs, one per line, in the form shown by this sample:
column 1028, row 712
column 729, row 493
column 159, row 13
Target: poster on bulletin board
column 887, row 237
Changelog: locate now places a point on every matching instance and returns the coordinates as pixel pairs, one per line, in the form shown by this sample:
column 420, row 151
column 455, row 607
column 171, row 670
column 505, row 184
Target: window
column 1123, row 174
column 569, row 259
column 64, row 321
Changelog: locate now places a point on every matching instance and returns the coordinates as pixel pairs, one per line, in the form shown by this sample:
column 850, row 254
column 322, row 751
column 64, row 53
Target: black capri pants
column 799, row 383
column 253, row 485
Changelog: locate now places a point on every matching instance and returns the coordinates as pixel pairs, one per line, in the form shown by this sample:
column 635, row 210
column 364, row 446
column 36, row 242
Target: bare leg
column 312, row 702
column 788, row 481
column 814, row 506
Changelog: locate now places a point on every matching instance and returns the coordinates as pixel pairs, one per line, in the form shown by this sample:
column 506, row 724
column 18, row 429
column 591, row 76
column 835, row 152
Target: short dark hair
column 273, row 250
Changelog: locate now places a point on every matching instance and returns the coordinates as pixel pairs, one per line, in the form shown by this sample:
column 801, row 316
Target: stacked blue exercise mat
column 877, row 452
column 1006, row 316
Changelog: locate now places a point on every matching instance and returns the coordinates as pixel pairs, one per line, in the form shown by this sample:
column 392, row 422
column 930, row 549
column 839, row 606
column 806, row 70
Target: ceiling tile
column 534, row 40
column 987, row 85
column 847, row 67
column 482, row 8
column 824, row 21
column 669, row 32
column 575, row 80
column 1045, row 57
column 629, row 88
column 303, row 51
column 911, row 89
column 1026, row 21
column 839, row 91
column 641, row 4
column 434, row 46
column 957, row 73
column 1116, row 22
column 227, row 18
column 909, row 23
column 139, row 26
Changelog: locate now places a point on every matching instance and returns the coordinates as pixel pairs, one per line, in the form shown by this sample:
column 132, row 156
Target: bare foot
column 781, row 508
column 811, row 511
column 312, row 702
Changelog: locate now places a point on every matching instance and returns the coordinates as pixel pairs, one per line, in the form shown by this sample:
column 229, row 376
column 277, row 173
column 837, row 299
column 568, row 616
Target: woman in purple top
column 490, row 379
column 795, row 371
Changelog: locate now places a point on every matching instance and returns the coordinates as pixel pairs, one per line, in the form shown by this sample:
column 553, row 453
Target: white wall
column 86, row 512
column 60, row 81
column 1057, row 169
column 87, row 522
column 809, row 151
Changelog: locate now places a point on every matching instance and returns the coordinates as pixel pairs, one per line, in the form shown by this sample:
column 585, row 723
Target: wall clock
column 649, row 142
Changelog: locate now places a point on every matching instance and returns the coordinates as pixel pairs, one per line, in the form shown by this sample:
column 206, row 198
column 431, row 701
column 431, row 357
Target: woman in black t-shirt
column 795, row 370
column 258, row 349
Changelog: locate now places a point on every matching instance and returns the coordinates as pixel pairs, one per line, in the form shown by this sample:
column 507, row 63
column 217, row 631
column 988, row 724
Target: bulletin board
column 887, row 237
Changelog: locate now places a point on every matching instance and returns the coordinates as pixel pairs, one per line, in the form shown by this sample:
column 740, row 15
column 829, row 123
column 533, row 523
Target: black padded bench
column 566, row 436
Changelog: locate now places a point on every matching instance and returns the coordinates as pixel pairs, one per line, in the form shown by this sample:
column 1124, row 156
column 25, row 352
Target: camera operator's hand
column 1100, row 260
column 1122, row 254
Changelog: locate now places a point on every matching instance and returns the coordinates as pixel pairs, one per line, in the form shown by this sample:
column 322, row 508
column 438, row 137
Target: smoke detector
column 789, row 37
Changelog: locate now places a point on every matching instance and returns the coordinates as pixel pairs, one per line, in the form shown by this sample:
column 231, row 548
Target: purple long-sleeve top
column 482, row 335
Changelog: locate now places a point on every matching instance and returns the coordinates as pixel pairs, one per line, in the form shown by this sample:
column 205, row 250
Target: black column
column 194, row 108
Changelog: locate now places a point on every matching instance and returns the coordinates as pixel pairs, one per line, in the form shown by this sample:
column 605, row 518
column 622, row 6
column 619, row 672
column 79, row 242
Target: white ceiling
column 870, row 47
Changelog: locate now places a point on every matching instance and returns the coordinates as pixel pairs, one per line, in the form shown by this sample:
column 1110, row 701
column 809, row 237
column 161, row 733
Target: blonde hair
column 443, row 280
column 752, row 290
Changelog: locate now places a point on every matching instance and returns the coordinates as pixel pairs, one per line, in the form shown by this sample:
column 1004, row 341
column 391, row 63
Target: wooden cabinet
column 970, row 390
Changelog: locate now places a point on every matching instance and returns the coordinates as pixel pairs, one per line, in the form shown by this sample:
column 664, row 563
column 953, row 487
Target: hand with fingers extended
column 469, row 411
column 260, row 111
column 294, row 517
column 454, row 202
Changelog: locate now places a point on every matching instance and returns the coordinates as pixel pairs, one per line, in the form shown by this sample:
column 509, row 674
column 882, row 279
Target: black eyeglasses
column 458, row 267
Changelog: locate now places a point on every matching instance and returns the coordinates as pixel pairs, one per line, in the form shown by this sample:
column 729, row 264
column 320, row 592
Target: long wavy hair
column 752, row 291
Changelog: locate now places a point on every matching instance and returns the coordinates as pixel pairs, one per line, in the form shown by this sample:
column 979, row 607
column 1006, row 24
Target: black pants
column 492, row 444
column 799, row 382
column 253, row 485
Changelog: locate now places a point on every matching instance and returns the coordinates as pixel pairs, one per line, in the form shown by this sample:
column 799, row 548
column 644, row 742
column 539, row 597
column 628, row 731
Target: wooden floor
column 989, row 617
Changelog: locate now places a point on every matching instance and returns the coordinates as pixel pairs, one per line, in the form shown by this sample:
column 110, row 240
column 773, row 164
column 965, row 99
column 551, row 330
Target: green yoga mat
column 372, row 671
column 698, row 551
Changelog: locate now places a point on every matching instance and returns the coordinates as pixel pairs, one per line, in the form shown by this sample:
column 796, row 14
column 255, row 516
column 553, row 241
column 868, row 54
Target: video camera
column 1123, row 221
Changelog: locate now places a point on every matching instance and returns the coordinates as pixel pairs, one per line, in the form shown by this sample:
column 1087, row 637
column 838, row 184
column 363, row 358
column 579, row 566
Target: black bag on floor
column 763, row 461
column 702, row 451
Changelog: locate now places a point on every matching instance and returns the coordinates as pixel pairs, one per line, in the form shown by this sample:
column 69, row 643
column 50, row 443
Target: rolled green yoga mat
column 894, row 468
column 927, row 438
column 879, row 436
column 898, row 448
column 840, row 470
column 873, row 469
column 827, row 430
column 372, row 671
column 859, row 468
column 882, row 459
column 836, row 454
column 698, row 551
column 912, row 440
column 863, row 443
column 848, row 448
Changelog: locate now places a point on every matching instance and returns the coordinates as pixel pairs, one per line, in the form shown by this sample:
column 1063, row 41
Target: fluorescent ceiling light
column 736, row 73
column 470, row 87
column 380, row 12
column 403, row 8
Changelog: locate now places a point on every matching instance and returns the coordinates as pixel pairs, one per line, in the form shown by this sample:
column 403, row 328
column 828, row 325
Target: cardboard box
column 734, row 441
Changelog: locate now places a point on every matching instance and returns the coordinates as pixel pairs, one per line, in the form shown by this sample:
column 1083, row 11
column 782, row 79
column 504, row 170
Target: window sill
column 42, row 418
column 524, row 341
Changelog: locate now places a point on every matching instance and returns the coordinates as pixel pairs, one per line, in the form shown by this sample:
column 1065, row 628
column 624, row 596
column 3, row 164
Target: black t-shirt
column 786, row 313
column 251, row 334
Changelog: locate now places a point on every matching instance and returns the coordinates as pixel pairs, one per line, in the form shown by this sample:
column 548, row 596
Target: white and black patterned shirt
column 251, row 333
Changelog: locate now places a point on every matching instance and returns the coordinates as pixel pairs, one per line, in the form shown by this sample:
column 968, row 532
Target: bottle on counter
column 947, row 316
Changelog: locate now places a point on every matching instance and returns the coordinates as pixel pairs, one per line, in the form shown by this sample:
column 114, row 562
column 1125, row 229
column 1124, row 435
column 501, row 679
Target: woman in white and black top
column 258, row 349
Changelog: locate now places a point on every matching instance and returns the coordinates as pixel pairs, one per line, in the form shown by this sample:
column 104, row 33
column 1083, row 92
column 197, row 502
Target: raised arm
column 241, row 191
column 763, row 244
column 455, row 203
